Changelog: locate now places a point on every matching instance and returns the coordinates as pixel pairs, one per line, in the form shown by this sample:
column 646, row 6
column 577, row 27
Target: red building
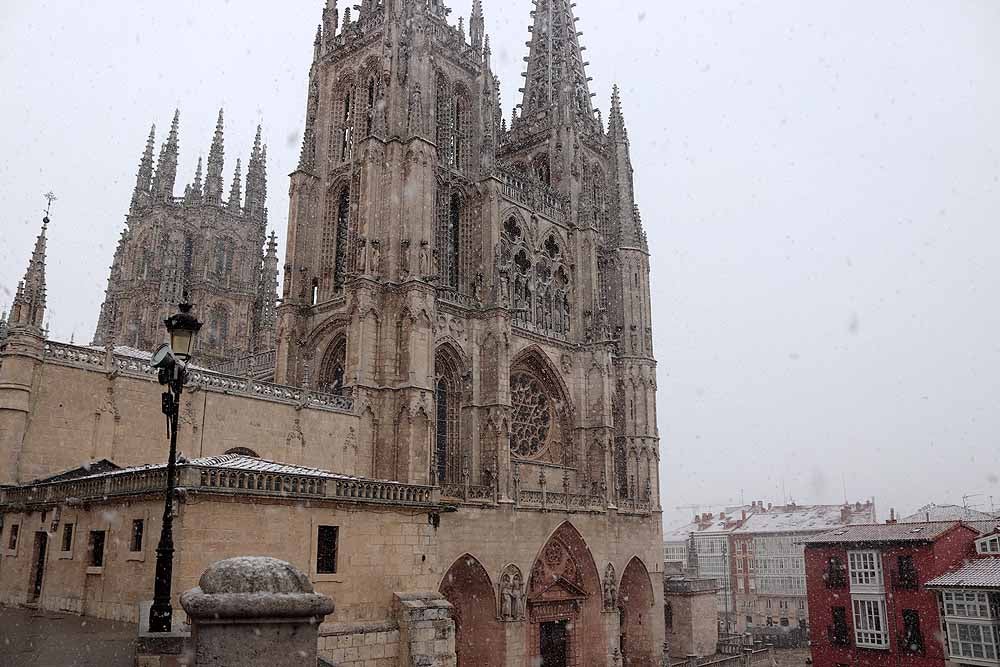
column 868, row 604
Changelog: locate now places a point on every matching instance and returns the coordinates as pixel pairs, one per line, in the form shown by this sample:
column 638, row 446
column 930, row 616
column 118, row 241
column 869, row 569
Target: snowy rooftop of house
column 977, row 573
column 897, row 532
column 807, row 518
column 709, row 522
column 935, row 512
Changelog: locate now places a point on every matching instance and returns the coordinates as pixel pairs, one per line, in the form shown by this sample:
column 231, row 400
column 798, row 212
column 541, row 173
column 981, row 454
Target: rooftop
column 897, row 532
column 978, row 573
column 935, row 512
column 807, row 518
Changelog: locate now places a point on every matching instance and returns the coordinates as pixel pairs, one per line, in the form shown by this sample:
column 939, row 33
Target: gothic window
column 188, row 255
column 462, row 129
column 448, row 398
column 343, row 215
column 442, row 112
column 218, row 329
column 334, row 240
column 531, row 416
column 333, row 371
column 449, row 238
column 346, row 130
column 370, row 111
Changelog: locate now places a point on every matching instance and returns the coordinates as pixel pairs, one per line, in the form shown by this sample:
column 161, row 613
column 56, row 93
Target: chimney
column 892, row 517
column 845, row 514
column 769, row 506
column 722, row 516
column 744, row 515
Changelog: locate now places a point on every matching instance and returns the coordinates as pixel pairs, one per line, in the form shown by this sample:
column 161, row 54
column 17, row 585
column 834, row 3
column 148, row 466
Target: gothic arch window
column 334, row 240
column 243, row 451
column 370, row 108
column 448, row 406
column 334, row 369
column 442, row 110
column 218, row 329
column 462, row 124
column 448, row 239
column 541, row 425
column 346, row 132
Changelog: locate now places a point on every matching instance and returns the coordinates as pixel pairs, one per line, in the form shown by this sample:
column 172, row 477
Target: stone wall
column 82, row 414
column 360, row 645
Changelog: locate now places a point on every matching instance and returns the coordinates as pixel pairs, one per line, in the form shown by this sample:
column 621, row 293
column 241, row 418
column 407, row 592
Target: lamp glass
column 181, row 342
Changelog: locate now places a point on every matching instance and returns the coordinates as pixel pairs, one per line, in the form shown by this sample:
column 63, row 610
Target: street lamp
column 171, row 361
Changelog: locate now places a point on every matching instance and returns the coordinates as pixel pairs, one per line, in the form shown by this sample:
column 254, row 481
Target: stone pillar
column 517, row 649
column 254, row 612
column 426, row 630
column 612, row 634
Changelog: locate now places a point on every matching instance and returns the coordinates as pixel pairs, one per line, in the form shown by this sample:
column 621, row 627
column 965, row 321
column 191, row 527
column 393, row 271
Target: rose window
column 532, row 416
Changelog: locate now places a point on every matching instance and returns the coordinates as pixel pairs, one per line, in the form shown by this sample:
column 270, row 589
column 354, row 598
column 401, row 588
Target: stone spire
column 166, row 166
column 267, row 295
column 236, row 191
column 195, row 191
column 216, row 161
column 144, row 178
column 555, row 76
column 28, row 311
column 330, row 18
column 616, row 119
column 256, row 190
column 477, row 25
column 307, row 156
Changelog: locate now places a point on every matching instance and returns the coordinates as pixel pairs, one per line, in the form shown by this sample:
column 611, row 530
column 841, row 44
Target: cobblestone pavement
column 33, row 638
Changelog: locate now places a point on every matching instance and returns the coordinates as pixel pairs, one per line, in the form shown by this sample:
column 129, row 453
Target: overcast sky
column 820, row 182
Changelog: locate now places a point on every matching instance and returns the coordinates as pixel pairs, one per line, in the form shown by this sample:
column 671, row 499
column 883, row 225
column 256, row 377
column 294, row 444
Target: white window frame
column 871, row 629
column 989, row 545
column 865, row 571
column 963, row 604
column 987, row 642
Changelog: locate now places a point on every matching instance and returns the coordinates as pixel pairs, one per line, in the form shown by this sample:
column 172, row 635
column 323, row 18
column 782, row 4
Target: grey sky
column 820, row 182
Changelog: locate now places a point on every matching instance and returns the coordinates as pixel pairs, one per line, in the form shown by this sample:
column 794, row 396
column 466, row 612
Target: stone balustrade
column 219, row 479
column 133, row 366
column 532, row 194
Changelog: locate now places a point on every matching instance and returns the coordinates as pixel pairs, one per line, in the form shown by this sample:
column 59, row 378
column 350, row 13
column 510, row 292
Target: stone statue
column 517, row 607
column 425, row 266
column 376, row 258
column 610, row 588
column 506, row 597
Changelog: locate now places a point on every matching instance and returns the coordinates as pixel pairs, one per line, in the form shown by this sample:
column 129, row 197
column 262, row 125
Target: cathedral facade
column 200, row 246
column 462, row 414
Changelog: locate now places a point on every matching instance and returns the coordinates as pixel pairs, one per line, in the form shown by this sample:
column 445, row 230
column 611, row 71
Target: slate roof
column 806, row 518
column 898, row 532
column 978, row 573
column 935, row 512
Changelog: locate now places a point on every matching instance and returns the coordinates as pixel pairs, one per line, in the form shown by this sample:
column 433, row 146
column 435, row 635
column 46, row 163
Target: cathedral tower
column 483, row 293
column 212, row 250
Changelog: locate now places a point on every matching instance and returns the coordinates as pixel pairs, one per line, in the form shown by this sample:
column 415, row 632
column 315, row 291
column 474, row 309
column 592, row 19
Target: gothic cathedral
column 482, row 291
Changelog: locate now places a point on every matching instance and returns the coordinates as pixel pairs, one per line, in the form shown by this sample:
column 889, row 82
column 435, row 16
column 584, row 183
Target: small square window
column 14, row 530
column 138, row 525
column 96, row 548
column 67, row 537
column 326, row 549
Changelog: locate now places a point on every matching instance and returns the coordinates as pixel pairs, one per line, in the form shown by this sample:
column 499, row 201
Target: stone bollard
column 254, row 612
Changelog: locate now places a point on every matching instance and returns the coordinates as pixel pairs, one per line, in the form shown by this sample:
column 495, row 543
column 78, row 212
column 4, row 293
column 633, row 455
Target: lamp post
column 171, row 360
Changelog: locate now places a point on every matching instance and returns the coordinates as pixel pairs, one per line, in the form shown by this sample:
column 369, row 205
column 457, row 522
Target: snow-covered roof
column 978, row 573
column 935, row 512
column 223, row 462
column 807, row 518
column 895, row 532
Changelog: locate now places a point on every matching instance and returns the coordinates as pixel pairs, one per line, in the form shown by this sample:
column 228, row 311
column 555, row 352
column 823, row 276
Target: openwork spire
column 616, row 119
column 216, row 161
column 28, row 311
column 477, row 25
column 556, row 76
column 236, row 190
column 256, row 192
column 196, row 193
column 166, row 167
column 144, row 177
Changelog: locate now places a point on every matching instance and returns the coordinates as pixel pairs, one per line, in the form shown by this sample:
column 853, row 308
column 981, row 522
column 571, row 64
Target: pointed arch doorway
column 564, row 604
column 636, row 604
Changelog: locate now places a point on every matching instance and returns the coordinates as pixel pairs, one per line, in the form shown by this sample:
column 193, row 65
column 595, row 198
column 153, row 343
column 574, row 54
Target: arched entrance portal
column 479, row 637
column 635, row 601
column 564, row 604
